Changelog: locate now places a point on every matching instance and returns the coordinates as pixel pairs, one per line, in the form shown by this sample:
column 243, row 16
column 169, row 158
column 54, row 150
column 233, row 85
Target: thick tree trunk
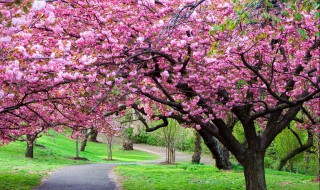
column 254, row 171
column 196, row 157
column 30, row 146
column 83, row 144
column 127, row 144
column 85, row 140
column 221, row 158
column 93, row 136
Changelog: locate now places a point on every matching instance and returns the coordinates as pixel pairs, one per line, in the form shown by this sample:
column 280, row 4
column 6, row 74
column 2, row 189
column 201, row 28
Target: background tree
column 196, row 157
column 110, row 130
column 127, row 130
column 291, row 146
column 93, row 135
column 170, row 134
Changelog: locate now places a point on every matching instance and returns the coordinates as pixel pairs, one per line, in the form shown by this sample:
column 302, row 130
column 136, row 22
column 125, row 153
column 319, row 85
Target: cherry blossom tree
column 204, row 63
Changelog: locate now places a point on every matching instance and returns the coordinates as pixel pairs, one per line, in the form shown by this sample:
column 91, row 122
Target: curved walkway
column 161, row 151
column 100, row 176
column 81, row 177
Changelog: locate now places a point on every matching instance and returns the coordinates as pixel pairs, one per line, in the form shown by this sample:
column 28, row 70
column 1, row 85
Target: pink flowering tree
column 205, row 63
column 38, row 83
column 110, row 128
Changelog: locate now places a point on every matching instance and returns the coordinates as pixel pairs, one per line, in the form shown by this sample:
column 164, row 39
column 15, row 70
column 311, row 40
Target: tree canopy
column 207, row 64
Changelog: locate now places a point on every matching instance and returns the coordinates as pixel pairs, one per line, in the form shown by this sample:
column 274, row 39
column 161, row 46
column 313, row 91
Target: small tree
column 170, row 134
column 110, row 130
column 77, row 135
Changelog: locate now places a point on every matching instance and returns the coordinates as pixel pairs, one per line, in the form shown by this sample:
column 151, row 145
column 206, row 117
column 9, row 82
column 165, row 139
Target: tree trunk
column 83, row 144
column 93, row 136
column 77, row 149
column 196, row 157
column 221, row 159
column 85, row 140
column 171, row 158
column 254, row 171
column 30, row 146
column 127, row 144
column 109, row 151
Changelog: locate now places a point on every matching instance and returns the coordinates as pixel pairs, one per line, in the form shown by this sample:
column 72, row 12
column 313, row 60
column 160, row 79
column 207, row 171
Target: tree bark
column 222, row 162
column 110, row 151
column 77, row 149
column 196, row 157
column 83, row 144
column 93, row 136
column 85, row 140
column 30, row 146
column 171, row 158
column 254, row 172
column 127, row 142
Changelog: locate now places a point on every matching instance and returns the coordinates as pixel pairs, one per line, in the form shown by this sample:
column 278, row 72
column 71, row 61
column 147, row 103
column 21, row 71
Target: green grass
column 202, row 177
column 20, row 173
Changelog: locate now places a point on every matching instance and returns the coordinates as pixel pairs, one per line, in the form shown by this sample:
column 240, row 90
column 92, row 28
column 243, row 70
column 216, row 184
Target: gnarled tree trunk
column 85, row 140
column 219, row 155
column 127, row 141
column 83, row 144
column 93, row 136
column 127, row 144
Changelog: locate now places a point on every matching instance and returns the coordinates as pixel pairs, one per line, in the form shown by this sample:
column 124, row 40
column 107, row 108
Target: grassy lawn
column 202, row 177
column 19, row 173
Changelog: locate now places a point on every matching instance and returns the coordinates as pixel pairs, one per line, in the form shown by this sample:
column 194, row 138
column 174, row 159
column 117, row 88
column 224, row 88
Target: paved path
column 81, row 177
column 100, row 176
column 161, row 151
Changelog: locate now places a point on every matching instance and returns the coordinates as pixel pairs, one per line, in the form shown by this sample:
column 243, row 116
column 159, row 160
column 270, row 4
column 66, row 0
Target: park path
column 81, row 177
column 161, row 152
column 100, row 176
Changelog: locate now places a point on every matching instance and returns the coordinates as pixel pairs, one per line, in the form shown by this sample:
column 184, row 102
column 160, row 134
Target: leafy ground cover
column 20, row 173
column 192, row 177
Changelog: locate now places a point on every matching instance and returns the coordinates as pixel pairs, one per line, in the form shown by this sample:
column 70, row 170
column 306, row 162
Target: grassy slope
column 17, row 172
column 202, row 177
